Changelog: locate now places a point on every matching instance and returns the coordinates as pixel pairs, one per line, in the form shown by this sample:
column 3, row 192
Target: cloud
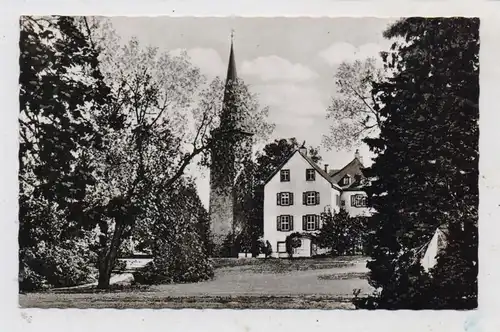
column 207, row 59
column 274, row 68
column 339, row 52
column 296, row 109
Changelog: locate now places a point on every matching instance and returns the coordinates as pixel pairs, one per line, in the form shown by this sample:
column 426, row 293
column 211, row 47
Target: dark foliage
column 341, row 233
column 59, row 82
column 292, row 242
column 426, row 171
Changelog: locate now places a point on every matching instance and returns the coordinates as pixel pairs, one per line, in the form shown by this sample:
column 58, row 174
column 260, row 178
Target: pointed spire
column 231, row 68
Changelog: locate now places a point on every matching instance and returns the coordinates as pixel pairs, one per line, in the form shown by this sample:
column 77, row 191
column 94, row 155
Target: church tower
column 232, row 146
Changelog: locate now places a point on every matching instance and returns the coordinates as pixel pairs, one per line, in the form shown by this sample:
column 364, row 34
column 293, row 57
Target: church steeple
column 229, row 176
column 231, row 67
column 229, row 117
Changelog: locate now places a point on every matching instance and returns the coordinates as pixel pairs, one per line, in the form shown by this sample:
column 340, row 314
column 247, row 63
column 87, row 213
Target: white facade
column 349, row 196
column 284, row 209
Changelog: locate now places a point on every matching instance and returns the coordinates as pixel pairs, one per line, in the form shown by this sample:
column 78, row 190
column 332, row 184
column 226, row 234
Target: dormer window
column 310, row 174
column 346, row 180
column 285, row 175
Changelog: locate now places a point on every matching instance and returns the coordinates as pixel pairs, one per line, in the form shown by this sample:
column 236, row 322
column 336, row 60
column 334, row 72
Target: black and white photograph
column 248, row 162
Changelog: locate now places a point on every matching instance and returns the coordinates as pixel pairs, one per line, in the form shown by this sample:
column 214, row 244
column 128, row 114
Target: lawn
column 325, row 283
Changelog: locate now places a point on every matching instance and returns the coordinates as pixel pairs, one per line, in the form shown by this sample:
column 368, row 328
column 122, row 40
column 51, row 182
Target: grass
column 275, row 265
column 238, row 284
column 138, row 300
column 343, row 276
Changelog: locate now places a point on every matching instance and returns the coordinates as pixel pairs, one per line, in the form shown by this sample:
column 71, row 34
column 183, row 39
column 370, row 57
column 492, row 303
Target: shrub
column 179, row 262
column 120, row 265
column 292, row 241
column 48, row 266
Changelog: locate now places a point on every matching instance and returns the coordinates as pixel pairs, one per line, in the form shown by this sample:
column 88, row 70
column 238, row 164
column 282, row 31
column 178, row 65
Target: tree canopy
column 107, row 132
column 425, row 174
column 353, row 113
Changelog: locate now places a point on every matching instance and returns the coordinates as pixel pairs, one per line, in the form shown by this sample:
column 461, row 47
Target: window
column 310, row 198
column 342, row 202
column 310, row 174
column 285, row 175
column 310, row 222
column 358, row 200
column 346, row 180
column 281, row 247
column 284, row 199
column 284, row 223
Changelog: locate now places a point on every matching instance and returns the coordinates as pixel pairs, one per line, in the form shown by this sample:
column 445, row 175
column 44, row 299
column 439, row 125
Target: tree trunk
column 106, row 263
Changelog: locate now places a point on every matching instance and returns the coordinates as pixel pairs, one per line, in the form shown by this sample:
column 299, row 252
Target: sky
column 289, row 63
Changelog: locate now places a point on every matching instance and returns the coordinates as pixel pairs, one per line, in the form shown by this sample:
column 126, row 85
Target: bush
column 120, row 266
column 342, row 234
column 264, row 248
column 48, row 266
column 292, row 241
column 181, row 262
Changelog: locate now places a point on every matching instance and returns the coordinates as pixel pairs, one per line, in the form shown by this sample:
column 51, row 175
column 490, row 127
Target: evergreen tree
column 426, row 171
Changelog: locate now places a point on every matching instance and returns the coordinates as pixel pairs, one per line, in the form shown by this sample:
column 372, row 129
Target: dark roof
column 332, row 172
column 352, row 169
column 310, row 161
column 231, row 67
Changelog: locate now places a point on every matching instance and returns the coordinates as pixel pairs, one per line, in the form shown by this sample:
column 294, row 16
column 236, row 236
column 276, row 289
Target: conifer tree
column 426, row 172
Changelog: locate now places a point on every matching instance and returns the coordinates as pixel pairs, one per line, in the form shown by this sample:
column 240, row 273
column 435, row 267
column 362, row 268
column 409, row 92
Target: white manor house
column 300, row 190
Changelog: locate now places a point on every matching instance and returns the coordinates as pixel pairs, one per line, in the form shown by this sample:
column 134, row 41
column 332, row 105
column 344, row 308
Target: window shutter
column 317, row 198
column 278, row 224
column 291, row 223
column 278, row 198
column 316, row 222
column 353, row 201
column 304, row 198
column 304, row 221
column 291, row 198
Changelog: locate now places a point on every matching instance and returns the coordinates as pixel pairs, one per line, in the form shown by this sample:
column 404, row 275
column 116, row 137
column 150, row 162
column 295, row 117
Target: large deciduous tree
column 60, row 86
column 169, row 115
column 101, row 153
column 426, row 172
column 353, row 113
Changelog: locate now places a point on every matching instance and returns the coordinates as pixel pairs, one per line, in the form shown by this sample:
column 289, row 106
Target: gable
column 353, row 169
column 309, row 164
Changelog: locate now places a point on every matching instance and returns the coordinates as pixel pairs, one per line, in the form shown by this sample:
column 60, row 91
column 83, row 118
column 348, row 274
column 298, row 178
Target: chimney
column 326, row 168
column 358, row 156
column 303, row 149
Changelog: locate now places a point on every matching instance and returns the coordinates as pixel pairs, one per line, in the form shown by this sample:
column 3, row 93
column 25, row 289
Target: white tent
column 435, row 245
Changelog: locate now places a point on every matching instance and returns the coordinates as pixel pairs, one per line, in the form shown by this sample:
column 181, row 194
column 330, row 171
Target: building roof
column 310, row 161
column 319, row 169
column 231, row 67
column 352, row 169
